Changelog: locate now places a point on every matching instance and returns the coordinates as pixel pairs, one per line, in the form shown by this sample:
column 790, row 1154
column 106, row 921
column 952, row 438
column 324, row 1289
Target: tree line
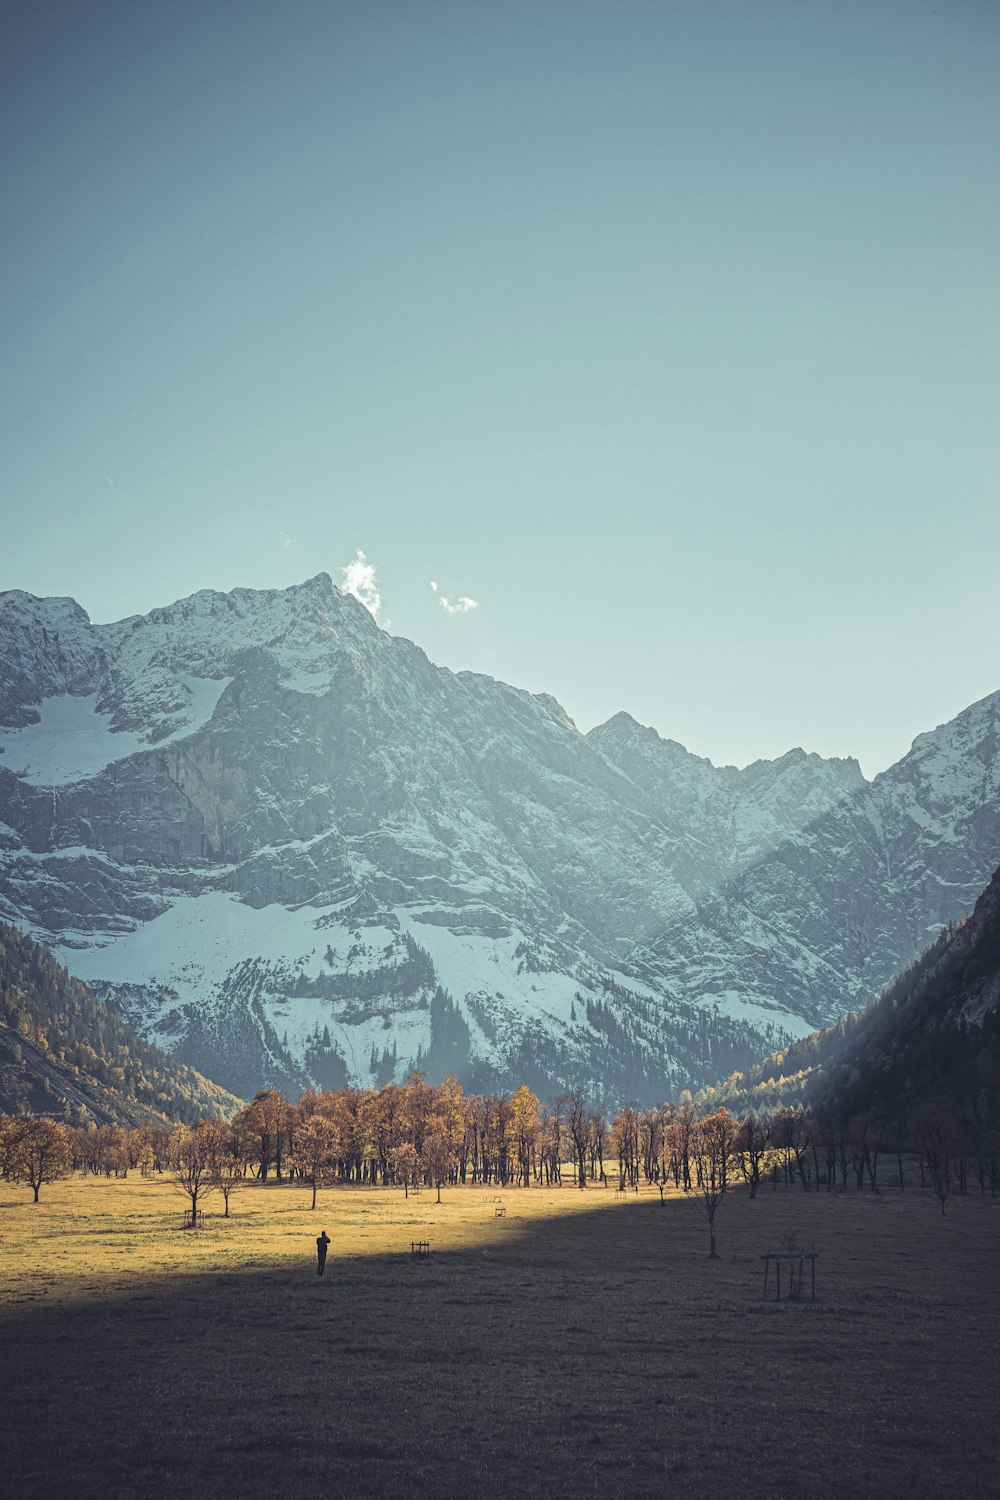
column 417, row 1134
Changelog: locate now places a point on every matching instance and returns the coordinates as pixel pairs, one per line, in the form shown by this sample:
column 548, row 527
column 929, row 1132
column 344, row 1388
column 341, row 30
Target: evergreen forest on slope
column 64, row 1054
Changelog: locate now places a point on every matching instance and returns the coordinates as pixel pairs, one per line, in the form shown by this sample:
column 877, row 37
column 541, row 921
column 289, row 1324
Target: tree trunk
column 313, row 1203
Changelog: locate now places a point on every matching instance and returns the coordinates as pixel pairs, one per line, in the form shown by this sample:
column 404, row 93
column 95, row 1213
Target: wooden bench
column 419, row 1248
column 499, row 1212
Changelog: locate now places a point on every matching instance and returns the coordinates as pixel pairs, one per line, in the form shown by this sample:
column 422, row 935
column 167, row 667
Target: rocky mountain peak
column 254, row 820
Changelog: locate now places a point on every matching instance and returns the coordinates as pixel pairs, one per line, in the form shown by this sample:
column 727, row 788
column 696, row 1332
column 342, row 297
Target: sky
column 646, row 351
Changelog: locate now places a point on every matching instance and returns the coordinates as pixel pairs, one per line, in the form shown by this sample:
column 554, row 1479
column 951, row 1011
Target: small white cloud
column 286, row 540
column 359, row 580
column 461, row 606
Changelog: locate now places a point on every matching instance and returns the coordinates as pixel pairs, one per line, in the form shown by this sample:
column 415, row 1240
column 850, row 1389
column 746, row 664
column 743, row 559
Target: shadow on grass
column 595, row 1353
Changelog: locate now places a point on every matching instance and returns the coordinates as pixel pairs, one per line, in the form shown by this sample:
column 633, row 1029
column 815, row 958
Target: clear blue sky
column 667, row 330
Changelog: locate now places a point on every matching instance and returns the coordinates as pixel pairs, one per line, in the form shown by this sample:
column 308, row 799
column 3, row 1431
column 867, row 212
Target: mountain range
column 290, row 849
column 928, row 1050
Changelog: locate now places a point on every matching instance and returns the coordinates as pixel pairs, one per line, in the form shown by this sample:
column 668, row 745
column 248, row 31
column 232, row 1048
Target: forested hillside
column 932, row 1041
column 63, row 1053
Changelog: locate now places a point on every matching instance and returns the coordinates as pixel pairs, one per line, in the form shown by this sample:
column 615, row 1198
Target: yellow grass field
column 579, row 1345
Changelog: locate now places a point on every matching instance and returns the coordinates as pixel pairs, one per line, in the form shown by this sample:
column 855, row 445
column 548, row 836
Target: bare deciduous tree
column 712, row 1142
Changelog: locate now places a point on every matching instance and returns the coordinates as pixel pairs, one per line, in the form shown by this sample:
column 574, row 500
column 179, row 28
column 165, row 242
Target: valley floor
column 578, row 1345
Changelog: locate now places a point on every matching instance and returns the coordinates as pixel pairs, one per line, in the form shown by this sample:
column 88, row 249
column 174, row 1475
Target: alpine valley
column 289, row 849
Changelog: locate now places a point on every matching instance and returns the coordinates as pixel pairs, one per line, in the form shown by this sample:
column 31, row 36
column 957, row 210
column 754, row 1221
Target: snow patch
column 73, row 742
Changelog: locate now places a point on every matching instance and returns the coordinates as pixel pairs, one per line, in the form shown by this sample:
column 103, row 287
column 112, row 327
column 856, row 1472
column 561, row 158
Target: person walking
column 321, row 1248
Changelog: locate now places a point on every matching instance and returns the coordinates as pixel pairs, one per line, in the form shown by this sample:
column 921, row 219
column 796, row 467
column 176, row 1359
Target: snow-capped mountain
column 290, row 848
column 827, row 919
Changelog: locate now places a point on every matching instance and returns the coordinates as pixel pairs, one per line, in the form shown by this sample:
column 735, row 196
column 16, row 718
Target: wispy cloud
column 359, row 580
column 286, row 540
column 460, row 606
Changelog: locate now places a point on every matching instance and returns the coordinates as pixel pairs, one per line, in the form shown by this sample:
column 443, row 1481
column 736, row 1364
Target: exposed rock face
column 719, row 821
column 825, row 921
column 292, row 848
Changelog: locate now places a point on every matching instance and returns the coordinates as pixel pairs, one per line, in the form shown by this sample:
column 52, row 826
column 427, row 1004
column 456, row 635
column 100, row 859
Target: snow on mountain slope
column 823, row 923
column 74, row 741
column 293, row 849
column 720, row 820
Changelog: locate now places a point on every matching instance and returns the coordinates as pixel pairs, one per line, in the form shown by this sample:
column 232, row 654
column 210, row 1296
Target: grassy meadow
column 580, row 1345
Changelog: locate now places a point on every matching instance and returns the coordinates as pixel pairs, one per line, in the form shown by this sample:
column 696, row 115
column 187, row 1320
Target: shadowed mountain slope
column 934, row 1035
column 63, row 1053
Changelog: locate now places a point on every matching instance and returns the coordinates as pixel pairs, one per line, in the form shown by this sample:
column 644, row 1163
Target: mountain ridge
column 226, row 813
column 929, row 1042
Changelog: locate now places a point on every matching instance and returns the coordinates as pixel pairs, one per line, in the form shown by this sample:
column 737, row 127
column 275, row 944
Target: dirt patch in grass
column 580, row 1346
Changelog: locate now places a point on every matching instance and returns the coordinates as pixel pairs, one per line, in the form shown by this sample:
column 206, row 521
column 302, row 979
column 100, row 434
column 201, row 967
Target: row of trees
column 417, row 1133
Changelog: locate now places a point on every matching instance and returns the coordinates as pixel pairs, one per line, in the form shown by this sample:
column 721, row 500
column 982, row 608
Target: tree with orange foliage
column 438, row 1156
column 191, row 1162
column 404, row 1163
column 227, row 1164
column 525, row 1124
column 625, row 1144
column 39, row 1152
column 315, row 1154
column 268, row 1123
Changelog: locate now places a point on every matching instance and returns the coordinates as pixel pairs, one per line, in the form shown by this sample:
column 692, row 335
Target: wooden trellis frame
column 794, row 1285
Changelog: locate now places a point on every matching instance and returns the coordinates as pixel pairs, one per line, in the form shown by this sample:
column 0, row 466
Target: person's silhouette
column 321, row 1247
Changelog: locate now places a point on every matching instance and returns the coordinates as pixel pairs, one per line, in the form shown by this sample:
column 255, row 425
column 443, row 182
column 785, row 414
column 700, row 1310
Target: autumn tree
column 552, row 1141
column 438, row 1156
column 417, row 1107
column 597, row 1142
column 682, row 1129
column 11, row 1130
column 267, row 1121
column 711, row 1143
column 496, row 1138
column 578, row 1129
column 39, row 1153
column 525, row 1123
column 625, row 1144
column 404, row 1163
column 191, row 1162
column 315, row 1156
column 227, row 1162
column 751, row 1150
